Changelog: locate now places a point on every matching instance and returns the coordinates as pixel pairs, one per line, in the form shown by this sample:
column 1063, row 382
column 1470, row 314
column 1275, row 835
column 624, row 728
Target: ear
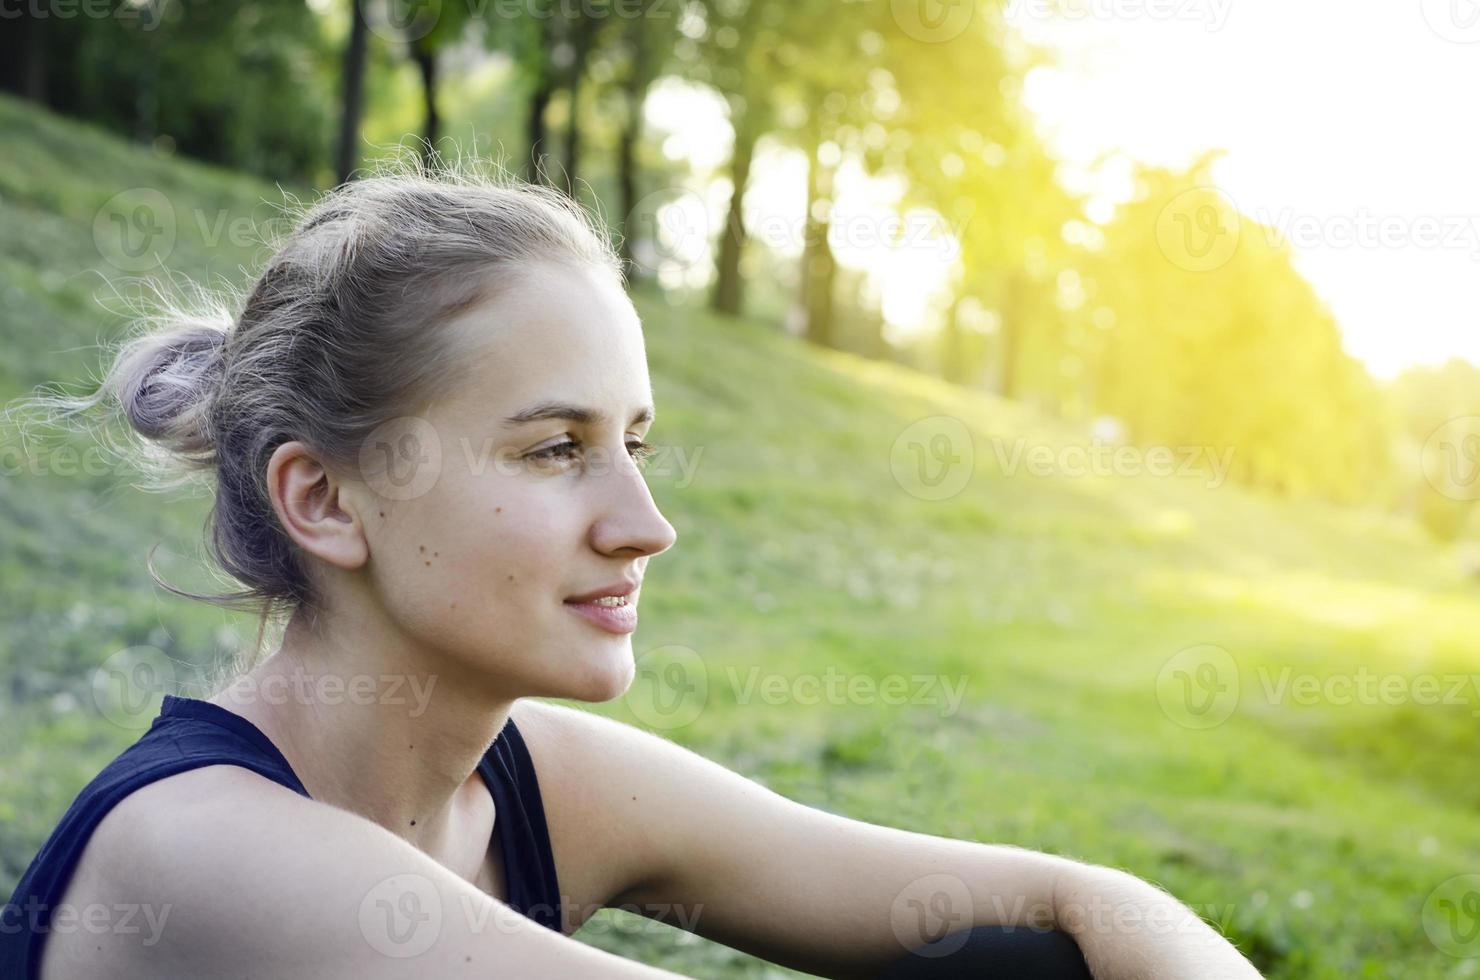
column 314, row 507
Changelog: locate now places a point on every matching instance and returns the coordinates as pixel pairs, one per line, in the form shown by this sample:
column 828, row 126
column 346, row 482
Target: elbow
column 1086, row 896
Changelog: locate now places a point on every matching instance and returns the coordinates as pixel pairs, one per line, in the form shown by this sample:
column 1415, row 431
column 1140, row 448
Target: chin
column 605, row 675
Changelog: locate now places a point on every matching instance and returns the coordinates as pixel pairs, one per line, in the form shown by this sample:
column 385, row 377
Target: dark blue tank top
column 190, row 733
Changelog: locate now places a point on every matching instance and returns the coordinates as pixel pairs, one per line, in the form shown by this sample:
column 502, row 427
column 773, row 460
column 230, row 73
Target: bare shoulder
column 235, row 874
column 169, row 810
column 122, row 851
column 601, row 779
column 592, row 862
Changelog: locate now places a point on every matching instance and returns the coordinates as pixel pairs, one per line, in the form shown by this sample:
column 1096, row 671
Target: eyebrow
column 573, row 413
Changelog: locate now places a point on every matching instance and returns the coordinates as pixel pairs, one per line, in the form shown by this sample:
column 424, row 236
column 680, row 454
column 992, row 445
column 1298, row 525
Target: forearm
column 1128, row 929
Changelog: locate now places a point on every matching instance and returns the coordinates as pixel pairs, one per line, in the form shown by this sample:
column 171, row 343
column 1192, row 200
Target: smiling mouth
column 613, row 614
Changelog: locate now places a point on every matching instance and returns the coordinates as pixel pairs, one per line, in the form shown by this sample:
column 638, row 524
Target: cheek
column 492, row 540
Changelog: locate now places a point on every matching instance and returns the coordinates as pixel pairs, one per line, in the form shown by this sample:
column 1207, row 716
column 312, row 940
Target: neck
column 375, row 728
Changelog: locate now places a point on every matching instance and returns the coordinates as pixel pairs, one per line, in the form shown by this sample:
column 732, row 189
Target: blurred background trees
column 836, row 114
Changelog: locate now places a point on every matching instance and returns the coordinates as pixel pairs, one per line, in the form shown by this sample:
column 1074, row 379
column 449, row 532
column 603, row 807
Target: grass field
column 1150, row 672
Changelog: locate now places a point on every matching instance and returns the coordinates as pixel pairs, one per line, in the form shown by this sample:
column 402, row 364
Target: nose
column 628, row 522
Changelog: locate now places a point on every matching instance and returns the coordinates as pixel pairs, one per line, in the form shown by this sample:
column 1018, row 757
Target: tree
column 347, row 154
column 640, row 45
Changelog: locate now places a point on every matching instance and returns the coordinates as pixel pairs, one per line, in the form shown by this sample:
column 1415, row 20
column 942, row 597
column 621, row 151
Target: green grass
column 1311, row 833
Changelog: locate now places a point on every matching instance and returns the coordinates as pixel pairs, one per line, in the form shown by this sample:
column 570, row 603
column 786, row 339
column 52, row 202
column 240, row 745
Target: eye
column 637, row 449
column 640, row 450
column 563, row 450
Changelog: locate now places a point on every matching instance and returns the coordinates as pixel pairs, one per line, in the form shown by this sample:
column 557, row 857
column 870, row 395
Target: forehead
column 554, row 332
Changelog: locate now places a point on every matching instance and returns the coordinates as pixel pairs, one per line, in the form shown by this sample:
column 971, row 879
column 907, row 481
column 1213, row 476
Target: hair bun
column 166, row 382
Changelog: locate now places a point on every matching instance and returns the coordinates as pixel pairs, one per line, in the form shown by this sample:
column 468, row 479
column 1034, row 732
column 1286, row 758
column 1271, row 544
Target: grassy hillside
column 1312, row 829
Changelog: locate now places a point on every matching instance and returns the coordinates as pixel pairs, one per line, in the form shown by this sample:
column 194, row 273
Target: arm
column 230, row 873
column 838, row 897
column 1128, row 928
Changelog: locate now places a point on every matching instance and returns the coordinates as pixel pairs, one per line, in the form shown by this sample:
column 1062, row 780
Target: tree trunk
column 573, row 137
column 954, row 369
column 23, row 57
column 1014, row 312
column 347, row 156
column 426, row 60
column 728, row 296
column 535, row 170
column 635, row 86
column 581, row 30
column 819, row 267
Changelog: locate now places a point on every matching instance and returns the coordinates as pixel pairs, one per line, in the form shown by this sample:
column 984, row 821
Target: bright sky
column 1351, row 124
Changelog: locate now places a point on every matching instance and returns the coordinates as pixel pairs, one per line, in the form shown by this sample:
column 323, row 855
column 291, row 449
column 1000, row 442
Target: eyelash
column 638, row 450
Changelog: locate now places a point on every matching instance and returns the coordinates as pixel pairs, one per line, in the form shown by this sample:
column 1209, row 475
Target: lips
column 620, row 618
column 622, row 587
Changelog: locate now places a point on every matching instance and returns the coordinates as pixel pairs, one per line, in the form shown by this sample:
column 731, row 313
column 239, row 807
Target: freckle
column 436, row 553
column 511, row 578
column 498, row 510
column 382, row 513
column 454, row 605
column 422, row 547
column 429, row 564
column 466, row 959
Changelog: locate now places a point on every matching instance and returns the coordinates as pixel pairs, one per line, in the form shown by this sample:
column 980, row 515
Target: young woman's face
column 493, row 532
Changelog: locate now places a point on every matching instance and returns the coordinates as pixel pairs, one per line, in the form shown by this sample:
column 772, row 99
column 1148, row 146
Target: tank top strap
column 520, row 828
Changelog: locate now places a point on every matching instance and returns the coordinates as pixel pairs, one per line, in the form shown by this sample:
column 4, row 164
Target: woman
column 423, row 427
